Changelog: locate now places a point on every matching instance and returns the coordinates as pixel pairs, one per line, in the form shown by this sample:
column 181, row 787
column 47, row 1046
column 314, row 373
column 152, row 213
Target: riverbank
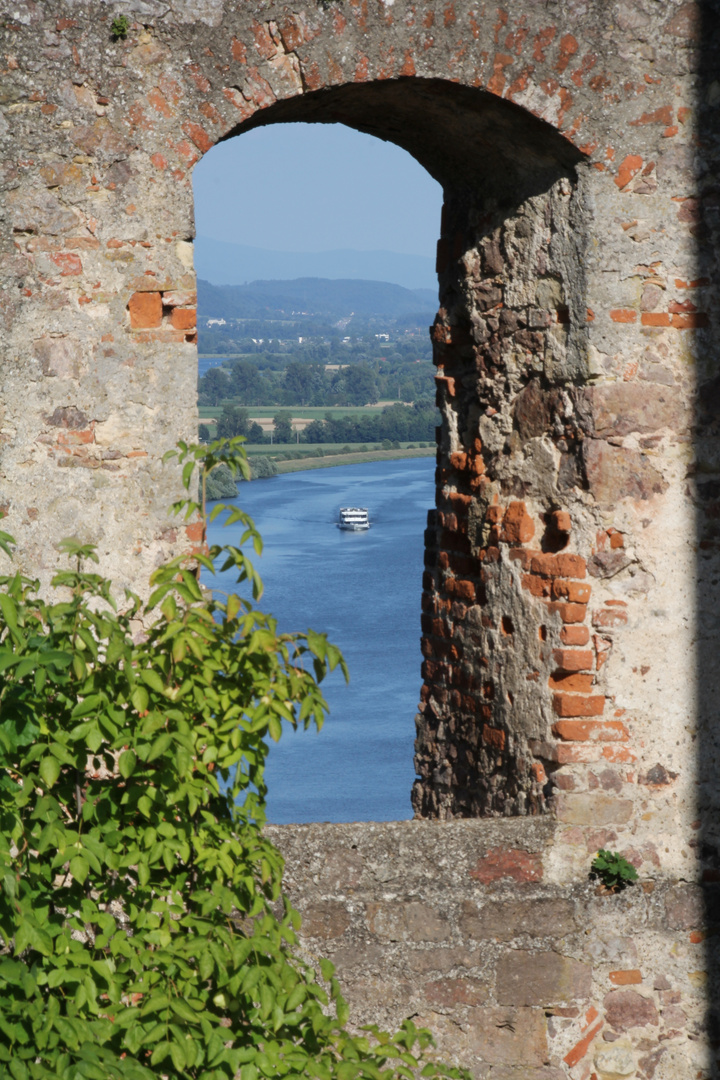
column 360, row 458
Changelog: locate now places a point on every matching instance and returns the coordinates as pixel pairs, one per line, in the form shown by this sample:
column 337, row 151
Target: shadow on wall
column 703, row 215
column 512, row 226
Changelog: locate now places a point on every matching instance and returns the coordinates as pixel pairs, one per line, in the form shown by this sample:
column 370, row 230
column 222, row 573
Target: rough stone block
column 592, row 808
column 514, row 863
column 430, row 961
column 684, row 908
column 449, row 993
column 527, row 978
column 508, row 1036
column 410, row 921
column 325, row 919
column 625, row 1009
column 61, row 357
column 615, row 472
column 508, row 919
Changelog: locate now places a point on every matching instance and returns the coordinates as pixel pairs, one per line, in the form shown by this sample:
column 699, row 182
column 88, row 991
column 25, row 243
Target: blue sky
column 316, row 187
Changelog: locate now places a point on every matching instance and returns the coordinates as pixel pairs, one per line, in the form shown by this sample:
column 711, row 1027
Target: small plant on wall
column 612, row 870
column 119, row 27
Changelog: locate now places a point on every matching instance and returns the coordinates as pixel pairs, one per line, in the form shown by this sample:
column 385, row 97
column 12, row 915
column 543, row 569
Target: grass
column 329, row 461
column 312, row 449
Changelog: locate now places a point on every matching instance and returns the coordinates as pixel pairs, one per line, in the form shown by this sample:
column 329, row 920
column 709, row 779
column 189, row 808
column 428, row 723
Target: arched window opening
column 509, row 335
column 316, row 287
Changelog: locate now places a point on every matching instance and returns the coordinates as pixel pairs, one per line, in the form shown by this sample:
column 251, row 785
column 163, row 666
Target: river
column 363, row 590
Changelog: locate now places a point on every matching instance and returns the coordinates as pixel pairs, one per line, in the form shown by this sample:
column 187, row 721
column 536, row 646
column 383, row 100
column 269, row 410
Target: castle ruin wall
column 571, row 585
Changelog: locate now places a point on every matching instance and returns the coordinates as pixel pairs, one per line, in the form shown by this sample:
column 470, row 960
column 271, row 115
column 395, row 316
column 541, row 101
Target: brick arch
column 573, row 316
column 468, row 139
column 511, row 192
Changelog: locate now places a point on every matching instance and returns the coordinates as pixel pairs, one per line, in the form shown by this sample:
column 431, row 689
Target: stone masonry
column 571, row 587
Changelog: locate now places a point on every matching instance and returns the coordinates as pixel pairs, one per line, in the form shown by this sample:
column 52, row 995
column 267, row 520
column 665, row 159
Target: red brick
column 545, row 565
column 655, row 318
column 623, row 315
column 625, row 978
column 691, row 321
column 145, row 310
column 493, row 737
column 536, row 586
column 184, row 318
column 572, row 566
column 458, row 460
column 575, row 591
column 618, row 754
column 575, row 635
column 494, row 514
column 581, row 1048
column 571, row 684
column 591, row 730
column 573, row 659
column 608, row 617
column 578, row 704
column 561, row 521
column 165, row 334
column 523, row 557
column 69, row 263
column 195, row 531
column 239, row 51
column 514, row 863
column 629, row 166
column 199, row 136
column 458, row 501
column 518, row 526
column 569, row 613
column 538, row 772
column 577, row 753
column 464, row 590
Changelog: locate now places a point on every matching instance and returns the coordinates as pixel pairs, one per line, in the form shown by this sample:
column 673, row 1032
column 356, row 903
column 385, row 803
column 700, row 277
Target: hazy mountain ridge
column 321, row 297
column 223, row 263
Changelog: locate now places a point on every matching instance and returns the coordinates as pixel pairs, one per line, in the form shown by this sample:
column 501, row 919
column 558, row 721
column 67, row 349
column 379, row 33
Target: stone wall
column 577, row 486
column 571, row 589
column 465, row 927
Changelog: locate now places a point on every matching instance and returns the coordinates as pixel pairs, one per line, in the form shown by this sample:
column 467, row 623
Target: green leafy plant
column 119, row 27
column 143, row 931
column 612, row 870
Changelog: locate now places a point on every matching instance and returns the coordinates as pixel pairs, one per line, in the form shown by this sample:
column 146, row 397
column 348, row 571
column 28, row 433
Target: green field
column 304, row 412
column 330, row 460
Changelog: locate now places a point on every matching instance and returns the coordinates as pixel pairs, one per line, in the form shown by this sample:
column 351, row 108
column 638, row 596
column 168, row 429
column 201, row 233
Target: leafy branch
column 140, row 929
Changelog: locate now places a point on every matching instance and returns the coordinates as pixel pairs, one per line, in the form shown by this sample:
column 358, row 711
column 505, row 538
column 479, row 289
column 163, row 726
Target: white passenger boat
column 353, row 518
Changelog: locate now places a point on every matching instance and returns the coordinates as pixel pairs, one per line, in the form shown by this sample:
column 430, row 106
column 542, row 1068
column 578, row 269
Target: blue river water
column 363, row 590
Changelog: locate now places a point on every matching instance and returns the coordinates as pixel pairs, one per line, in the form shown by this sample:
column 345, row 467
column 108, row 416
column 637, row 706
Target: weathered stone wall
column 521, row 977
column 571, row 591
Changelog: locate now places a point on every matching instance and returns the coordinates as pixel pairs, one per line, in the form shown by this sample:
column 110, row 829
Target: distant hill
column 235, row 264
column 321, row 297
